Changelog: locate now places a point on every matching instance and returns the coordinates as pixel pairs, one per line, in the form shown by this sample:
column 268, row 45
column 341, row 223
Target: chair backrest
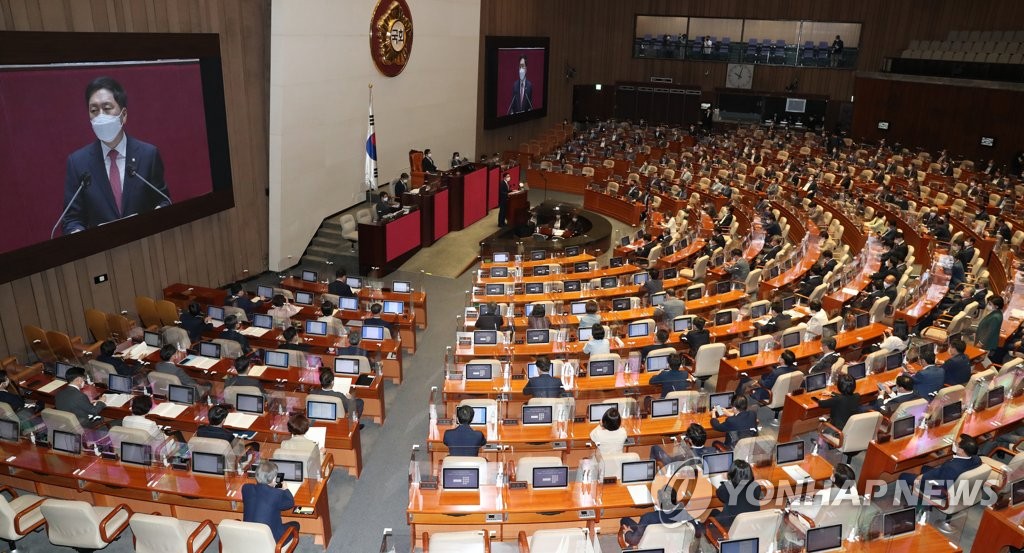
column 146, row 307
column 949, row 394
column 55, row 419
column 705, row 363
column 229, row 349
column 783, row 386
column 96, row 320
column 470, row 541
column 167, row 311
column 525, row 466
column 308, row 455
column 606, row 356
column 757, row 524
column 754, row 449
column 238, row 312
column 859, row 431
column 158, row 534
column 231, row 392
column 159, row 381
column 971, row 480
column 120, row 326
column 215, row 446
column 8, row 414
column 913, row 406
column 177, row 336
column 753, row 278
column 490, row 404
column 71, row 523
column 245, row 537
column 613, row 463
column 60, row 345
column 572, row 540
column 120, row 434
column 672, row 538
column 99, row 371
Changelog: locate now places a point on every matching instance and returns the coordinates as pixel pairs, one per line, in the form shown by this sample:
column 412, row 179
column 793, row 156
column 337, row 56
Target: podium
column 518, row 208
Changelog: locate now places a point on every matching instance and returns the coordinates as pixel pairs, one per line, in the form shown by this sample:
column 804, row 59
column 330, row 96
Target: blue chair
column 807, row 56
column 780, row 49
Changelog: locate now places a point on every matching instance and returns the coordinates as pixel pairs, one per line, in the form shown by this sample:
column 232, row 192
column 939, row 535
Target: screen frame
column 491, row 46
column 37, row 47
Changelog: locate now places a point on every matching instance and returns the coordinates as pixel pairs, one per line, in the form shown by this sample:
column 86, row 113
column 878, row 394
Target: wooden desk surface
column 1000, row 527
column 626, row 269
column 929, row 300
column 486, row 265
column 596, row 294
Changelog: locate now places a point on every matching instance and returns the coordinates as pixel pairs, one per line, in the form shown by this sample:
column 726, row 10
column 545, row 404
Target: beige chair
column 168, row 312
column 755, row 450
column 146, row 308
column 490, row 404
column 349, row 229
column 784, row 385
column 612, row 464
column 177, row 336
column 525, row 466
column 96, row 320
column 856, row 434
column 231, row 393
column 238, row 312
column 470, row 541
column 951, row 504
column 706, row 361
column 305, row 451
column 689, row 400
column 940, row 334
column 758, row 524
column 675, row 538
column 1003, row 475
column 19, row 516
column 55, row 419
column 753, row 278
column 564, row 540
column 562, row 408
column 699, row 270
column 254, row 537
column 229, row 349
column 878, row 309
column 120, row 434
column 82, row 526
column 217, row 446
column 917, row 406
column 159, row 382
column 159, row 534
column 99, row 371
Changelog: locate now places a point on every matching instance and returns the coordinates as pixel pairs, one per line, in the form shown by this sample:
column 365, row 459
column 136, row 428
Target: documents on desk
column 640, row 494
column 51, row 387
column 168, row 410
column 342, row 385
column 317, row 434
column 138, row 351
column 255, row 331
column 239, row 420
column 797, row 473
column 115, row 400
column 199, row 362
column 257, row 371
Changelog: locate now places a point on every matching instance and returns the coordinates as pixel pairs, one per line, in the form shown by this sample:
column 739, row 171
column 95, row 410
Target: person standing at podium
column 503, row 190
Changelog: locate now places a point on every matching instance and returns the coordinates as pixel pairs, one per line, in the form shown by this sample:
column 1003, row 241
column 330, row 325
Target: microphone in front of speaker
column 84, row 180
column 132, row 171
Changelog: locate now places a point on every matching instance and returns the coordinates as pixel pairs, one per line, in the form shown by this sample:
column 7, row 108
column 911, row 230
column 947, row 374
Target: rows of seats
column 974, row 46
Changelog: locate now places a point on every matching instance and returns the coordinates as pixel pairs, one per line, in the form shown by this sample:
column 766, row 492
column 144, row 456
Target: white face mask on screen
column 522, row 73
column 106, row 126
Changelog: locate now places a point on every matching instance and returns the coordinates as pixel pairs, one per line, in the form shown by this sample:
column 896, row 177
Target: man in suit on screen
column 113, row 167
column 522, row 91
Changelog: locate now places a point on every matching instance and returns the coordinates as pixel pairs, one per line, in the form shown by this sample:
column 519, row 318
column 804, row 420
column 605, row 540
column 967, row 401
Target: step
column 330, row 231
column 314, row 259
column 322, row 250
column 332, row 225
column 327, row 242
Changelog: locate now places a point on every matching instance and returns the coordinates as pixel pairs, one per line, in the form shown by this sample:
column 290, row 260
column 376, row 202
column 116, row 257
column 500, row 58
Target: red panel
column 474, row 200
column 403, row 234
column 440, row 214
column 493, row 175
column 514, row 171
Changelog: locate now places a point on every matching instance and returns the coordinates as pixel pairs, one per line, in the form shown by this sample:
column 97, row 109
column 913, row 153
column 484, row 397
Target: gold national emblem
column 391, row 35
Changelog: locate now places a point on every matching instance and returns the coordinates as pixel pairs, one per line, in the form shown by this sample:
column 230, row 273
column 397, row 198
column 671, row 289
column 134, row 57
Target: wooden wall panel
column 595, row 37
column 211, row 251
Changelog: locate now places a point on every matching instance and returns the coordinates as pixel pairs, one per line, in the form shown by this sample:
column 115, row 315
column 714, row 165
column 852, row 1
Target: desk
column 622, row 209
column 1000, row 528
column 383, row 247
column 927, row 302
column 433, row 208
column 180, row 494
column 183, row 294
column 591, row 294
column 367, row 295
column 467, row 195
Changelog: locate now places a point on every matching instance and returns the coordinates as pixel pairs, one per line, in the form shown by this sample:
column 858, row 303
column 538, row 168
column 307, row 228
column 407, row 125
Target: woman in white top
column 598, row 344
column 897, row 341
column 610, row 437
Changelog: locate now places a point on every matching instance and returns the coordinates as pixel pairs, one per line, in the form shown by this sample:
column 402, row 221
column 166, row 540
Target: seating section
column 1003, row 47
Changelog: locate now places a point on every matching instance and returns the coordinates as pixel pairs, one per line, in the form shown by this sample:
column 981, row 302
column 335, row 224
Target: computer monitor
column 824, row 538
column 658, row 299
column 532, row 370
column 578, row 308
column 541, row 270
column 789, row 302
column 657, row 363
column 718, row 261
column 536, row 414
column 681, row 324
column 1017, row 492
column 371, row 332
column 136, row 454
column 346, row 365
column 636, row 330
column 749, row 348
column 815, row 382
column 669, row 250
column 609, row 282
column 624, row 241
column 664, row 408
column 903, row 427
column 499, row 272
column 494, row 290
column 723, row 287
column 9, row 430
column 354, row 282
column 321, row 410
column 952, row 411
column 485, row 337
column 716, row 463
column 61, row 370
column 208, row 463
column 478, row 371
column 533, row 288
column 348, row 303
column 926, row 347
column 723, row 317
column 265, row 291
column 831, row 329
column 773, row 272
column 597, row 410
column 290, row 471
column 177, row 393
column 277, row 359
column 899, row 522
column 638, row 471
column 581, row 267
column 749, row 545
column 260, row 320
column 479, row 416
column 790, row 339
column 249, row 403
column 863, row 320
column 119, row 383
column 584, row 334
column 550, row 477
column 996, row 396
column 309, row 276
column 571, row 286
column 605, row 367
column 401, row 287
column 461, row 478
column 683, row 243
column 215, row 313
column 209, row 349
column 572, row 251
column 669, row 274
column 790, row 452
column 857, row 370
column 758, row 311
column 500, row 257
column 67, row 442
column 303, row 298
column 152, row 339
column 640, row 278
column 538, row 255
column 722, row 399
column 538, row 336
column 622, row 304
column 694, row 293
column 893, row 361
column 394, row 307
column 316, row 328
column 639, row 234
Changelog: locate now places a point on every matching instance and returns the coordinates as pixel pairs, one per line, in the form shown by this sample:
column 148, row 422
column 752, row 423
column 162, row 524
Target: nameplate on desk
column 519, row 377
column 428, row 485
column 509, row 422
column 610, row 480
column 517, row 485
column 579, row 419
column 490, row 447
column 444, row 422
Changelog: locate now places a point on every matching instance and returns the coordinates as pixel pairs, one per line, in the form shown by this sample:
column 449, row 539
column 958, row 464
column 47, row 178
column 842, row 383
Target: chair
column 562, row 408
column 699, row 270
column 36, row 338
column 177, row 336
column 254, row 537
column 120, row 326
column 753, row 449
column 904, row 409
column 146, row 307
column 363, row 215
column 55, row 419
column 784, row 385
column 168, row 312
column 62, row 347
column 878, row 309
column 669, row 539
column 563, row 540
column 216, row 446
column 465, row 462
column 231, row 392
column 99, row 371
column 470, row 541
column 612, row 464
column 305, row 451
column 82, row 526
column 120, row 434
column 525, row 466
column 229, row 349
column 857, row 433
column 349, row 229
column 939, row 334
column 490, row 404
column 159, row 382
column 706, row 361
column 19, row 516
column 762, row 524
column 416, row 173
column 159, row 534
column 238, row 312
column 753, row 278
column 96, row 320
column 950, row 505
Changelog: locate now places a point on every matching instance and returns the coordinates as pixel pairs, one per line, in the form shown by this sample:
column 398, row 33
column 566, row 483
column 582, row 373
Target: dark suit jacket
column 95, row 205
column 340, row 288
column 195, row 326
column 243, row 303
column 236, row 336
column 671, row 381
column 346, row 402
column 777, row 323
column 489, row 322
column 950, row 470
column 243, row 380
column 295, row 347
column 217, row 432
column 463, row 440
column 772, row 229
column 824, row 364
column 889, row 406
column 928, row 380
column 524, row 103
column 957, row 369
column 696, row 339
column 898, row 251
column 75, row 401
column 987, row 335
column 841, row 408
column 377, row 321
column 261, row 503
column 428, row 165
column 741, row 424
column 14, row 400
column 543, row 385
column 167, row 367
column 119, row 365
column 738, row 502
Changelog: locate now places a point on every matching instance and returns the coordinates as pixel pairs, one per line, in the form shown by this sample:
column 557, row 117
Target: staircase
column 327, row 244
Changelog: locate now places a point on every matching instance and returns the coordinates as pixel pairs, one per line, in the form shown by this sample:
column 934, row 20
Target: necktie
column 115, row 179
column 522, row 93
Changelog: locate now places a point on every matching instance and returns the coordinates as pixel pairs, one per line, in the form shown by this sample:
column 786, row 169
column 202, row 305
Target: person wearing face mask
column 400, row 185
column 384, row 207
column 428, row 162
column 522, row 91
column 113, row 167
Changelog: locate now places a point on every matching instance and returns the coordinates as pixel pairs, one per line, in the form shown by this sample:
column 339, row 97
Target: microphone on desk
column 132, row 172
column 83, row 182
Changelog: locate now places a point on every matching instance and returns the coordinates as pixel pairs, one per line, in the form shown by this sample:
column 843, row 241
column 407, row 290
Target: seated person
column 609, row 437
column 697, row 336
column 829, row 356
column 692, row 447
column 213, row 429
column 814, row 279
column 891, row 398
column 934, row 480
column 739, row 422
column 298, row 425
column 166, row 366
column 293, row 340
column 843, row 405
column 543, row 385
column 374, row 319
column 957, row 369
column 591, row 317
column 598, row 343
column 463, row 440
column 653, row 284
column 779, row 320
column 674, row 304
column 263, row 501
column 660, row 340
column 281, row 310
column 930, row 379
column 490, row 318
column 335, row 326
column 327, row 389
column 231, row 333
column 72, row 399
column 384, row 207
column 158, row 441
column 787, row 364
column 193, row 322
column 339, row 286
column 107, row 349
column 736, row 495
column 239, row 376
column 240, row 298
column 816, row 323
column 632, row 531
column 353, row 347
column 672, row 379
column 27, row 415
column 538, row 318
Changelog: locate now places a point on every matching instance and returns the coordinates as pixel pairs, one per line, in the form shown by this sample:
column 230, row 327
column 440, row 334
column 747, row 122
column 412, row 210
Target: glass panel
column 649, row 26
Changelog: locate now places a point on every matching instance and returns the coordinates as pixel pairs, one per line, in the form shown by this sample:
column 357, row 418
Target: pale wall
column 319, row 71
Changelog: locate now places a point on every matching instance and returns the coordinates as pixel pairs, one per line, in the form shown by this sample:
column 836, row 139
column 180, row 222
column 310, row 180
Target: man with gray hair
column 263, row 501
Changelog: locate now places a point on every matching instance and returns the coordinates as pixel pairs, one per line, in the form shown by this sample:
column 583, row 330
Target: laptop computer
column 209, row 349
column 67, row 442
column 316, row 328
column 669, row 274
column 824, row 538
column 394, row 307
column 571, row 285
column 636, row 330
column 996, row 396
column 597, row 410
column 621, row 304
column 550, row 478
column 657, row 363
column 791, row 339
column 749, row 348
column 541, row 270
column 815, row 382
column 903, row 427
column 185, row 395
column 857, row 370
column 261, row 320
column 485, row 337
column 136, row 454
column 578, row 308
column 749, row 545
column 640, row 278
column 952, row 412
column 609, row 282
column 277, row 359
column 758, row 311
column 401, row 287
column 538, row 336
column 533, row 288
column 9, row 430
column 538, row 255
column 208, row 463
column 321, row 410
column 500, row 257
column 498, row 272
column 681, row 324
column 249, row 403
column 348, row 303
column 572, row 251
column 494, row 290
column 863, row 320
column 723, row 317
column 119, row 383
column 716, row 467
column 899, row 522
column 303, row 298
column 616, row 262
column 665, row 408
column 723, row 400
column 309, row 276
column 638, row 471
